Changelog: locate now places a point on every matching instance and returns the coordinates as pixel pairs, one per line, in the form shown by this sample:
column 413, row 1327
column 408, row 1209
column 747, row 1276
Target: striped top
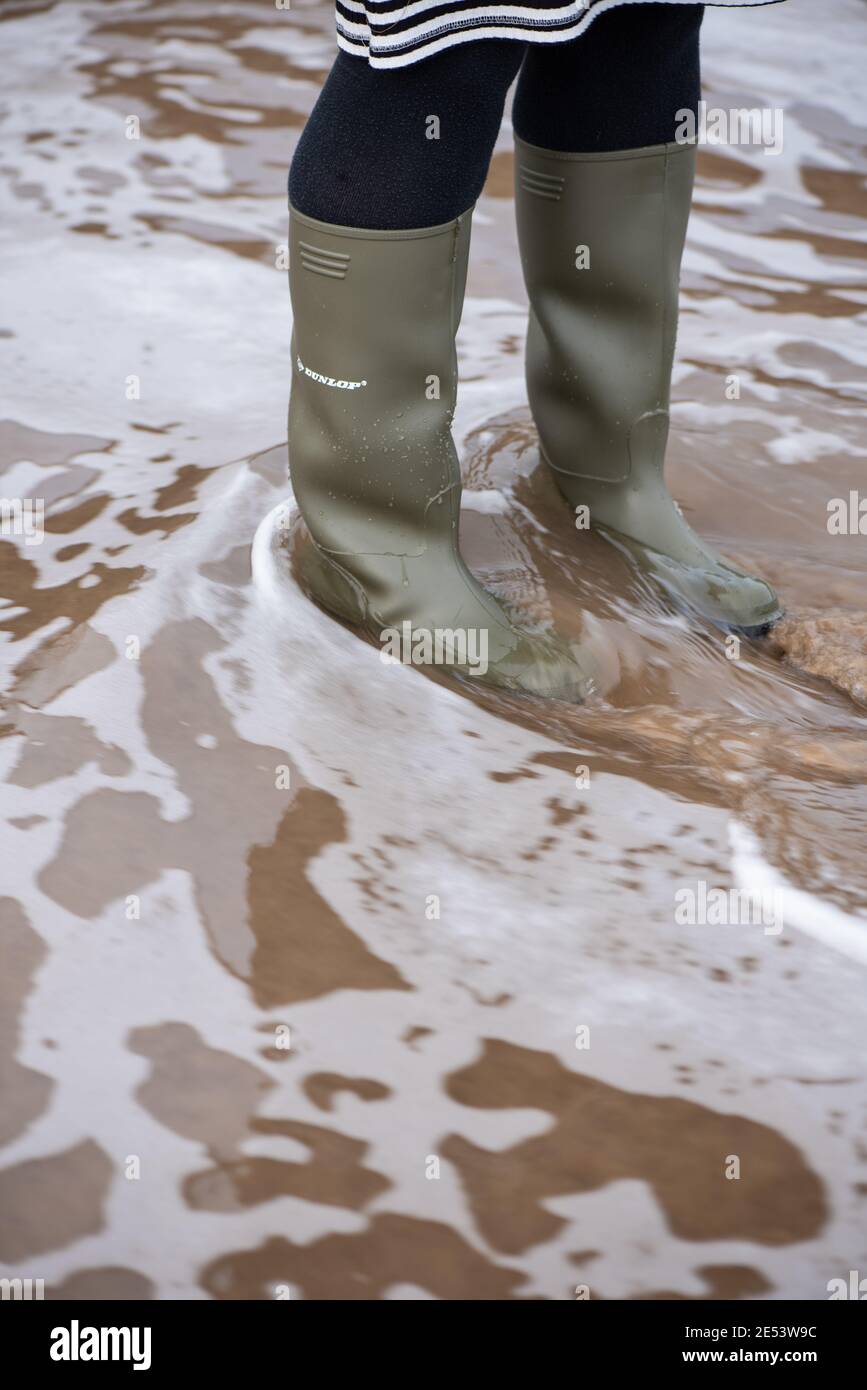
column 394, row 33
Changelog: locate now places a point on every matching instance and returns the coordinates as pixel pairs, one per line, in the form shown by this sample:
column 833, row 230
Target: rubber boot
column 372, row 460
column 600, row 348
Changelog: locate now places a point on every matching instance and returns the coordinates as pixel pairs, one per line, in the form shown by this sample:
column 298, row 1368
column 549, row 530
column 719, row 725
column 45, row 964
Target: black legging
column 367, row 158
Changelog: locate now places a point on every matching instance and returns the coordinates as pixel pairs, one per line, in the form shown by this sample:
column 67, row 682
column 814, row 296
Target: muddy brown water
column 327, row 977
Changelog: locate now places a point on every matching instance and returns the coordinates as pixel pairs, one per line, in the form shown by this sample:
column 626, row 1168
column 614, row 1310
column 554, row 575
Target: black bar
column 260, row 1338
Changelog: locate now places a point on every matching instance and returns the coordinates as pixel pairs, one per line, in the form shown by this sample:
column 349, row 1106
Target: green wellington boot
column 372, row 460
column 600, row 348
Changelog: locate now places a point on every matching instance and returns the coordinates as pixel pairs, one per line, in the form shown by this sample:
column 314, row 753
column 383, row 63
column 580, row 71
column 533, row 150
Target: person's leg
column 619, row 86
column 403, row 148
column 603, row 191
column 381, row 191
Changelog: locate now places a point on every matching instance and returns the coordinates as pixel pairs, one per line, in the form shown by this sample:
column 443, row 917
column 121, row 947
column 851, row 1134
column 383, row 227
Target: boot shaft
column 601, row 240
column 374, row 379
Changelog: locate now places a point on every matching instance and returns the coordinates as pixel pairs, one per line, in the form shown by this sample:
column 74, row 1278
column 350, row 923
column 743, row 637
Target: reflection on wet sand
column 26, row 1092
column 602, row 1135
column 296, row 946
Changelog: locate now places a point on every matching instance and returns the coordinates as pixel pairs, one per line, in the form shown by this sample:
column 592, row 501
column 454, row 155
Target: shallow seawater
column 328, row 974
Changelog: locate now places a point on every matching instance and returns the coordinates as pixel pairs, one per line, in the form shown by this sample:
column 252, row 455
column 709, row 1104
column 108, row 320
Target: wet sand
column 328, row 977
